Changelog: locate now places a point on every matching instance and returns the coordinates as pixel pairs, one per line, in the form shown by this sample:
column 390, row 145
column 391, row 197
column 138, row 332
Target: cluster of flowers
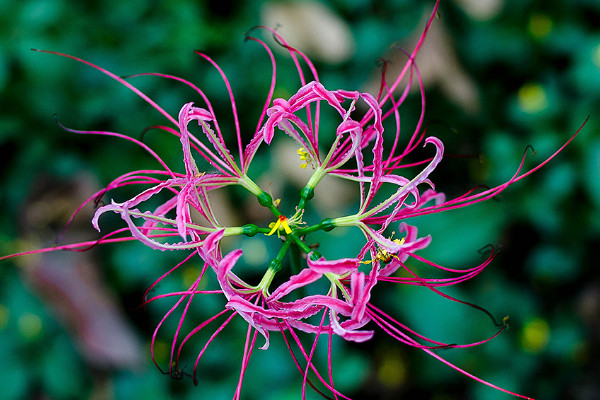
column 356, row 152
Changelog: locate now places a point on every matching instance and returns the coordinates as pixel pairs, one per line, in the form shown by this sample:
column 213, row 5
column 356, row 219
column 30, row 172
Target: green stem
column 295, row 258
column 266, row 280
column 229, row 231
column 304, row 247
column 275, row 264
column 350, row 220
column 249, row 184
column 326, row 225
column 265, row 200
column 251, row 230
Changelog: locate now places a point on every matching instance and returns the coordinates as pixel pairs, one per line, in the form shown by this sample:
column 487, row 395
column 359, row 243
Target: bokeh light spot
column 4, row 316
column 190, row 275
column 532, row 98
column 160, row 352
column 30, row 325
column 392, row 370
column 535, row 335
column 255, row 252
column 540, row 26
column 596, row 56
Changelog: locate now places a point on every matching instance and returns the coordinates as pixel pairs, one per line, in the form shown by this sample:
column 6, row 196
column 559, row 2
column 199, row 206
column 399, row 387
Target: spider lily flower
column 360, row 150
column 190, row 192
column 189, row 189
column 348, row 137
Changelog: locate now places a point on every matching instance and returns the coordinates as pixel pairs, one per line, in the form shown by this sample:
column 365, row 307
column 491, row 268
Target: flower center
column 280, row 225
column 383, row 255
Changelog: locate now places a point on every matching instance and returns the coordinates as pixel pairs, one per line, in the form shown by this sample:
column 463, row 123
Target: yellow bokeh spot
column 30, row 325
column 161, row 352
column 4, row 317
column 532, row 98
column 535, row 335
column 190, row 274
column 540, row 26
column 596, row 56
column 24, row 244
column 392, row 370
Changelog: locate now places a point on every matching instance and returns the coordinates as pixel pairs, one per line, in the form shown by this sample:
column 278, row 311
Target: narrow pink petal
column 305, row 277
column 351, row 335
column 338, row 267
column 233, row 106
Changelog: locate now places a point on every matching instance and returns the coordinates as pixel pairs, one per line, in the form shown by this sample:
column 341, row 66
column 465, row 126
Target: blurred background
column 499, row 74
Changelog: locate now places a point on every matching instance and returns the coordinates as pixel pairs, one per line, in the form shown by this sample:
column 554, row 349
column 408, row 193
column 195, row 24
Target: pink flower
column 360, row 150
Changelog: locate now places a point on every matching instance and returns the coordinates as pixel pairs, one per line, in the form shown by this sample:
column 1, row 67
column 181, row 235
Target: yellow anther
column 303, row 156
column 302, row 153
column 384, row 255
column 279, row 225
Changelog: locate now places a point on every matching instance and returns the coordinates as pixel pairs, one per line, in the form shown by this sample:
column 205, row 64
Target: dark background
column 500, row 75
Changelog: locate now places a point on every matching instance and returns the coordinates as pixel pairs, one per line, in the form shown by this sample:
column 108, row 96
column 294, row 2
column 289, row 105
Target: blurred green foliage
column 536, row 69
